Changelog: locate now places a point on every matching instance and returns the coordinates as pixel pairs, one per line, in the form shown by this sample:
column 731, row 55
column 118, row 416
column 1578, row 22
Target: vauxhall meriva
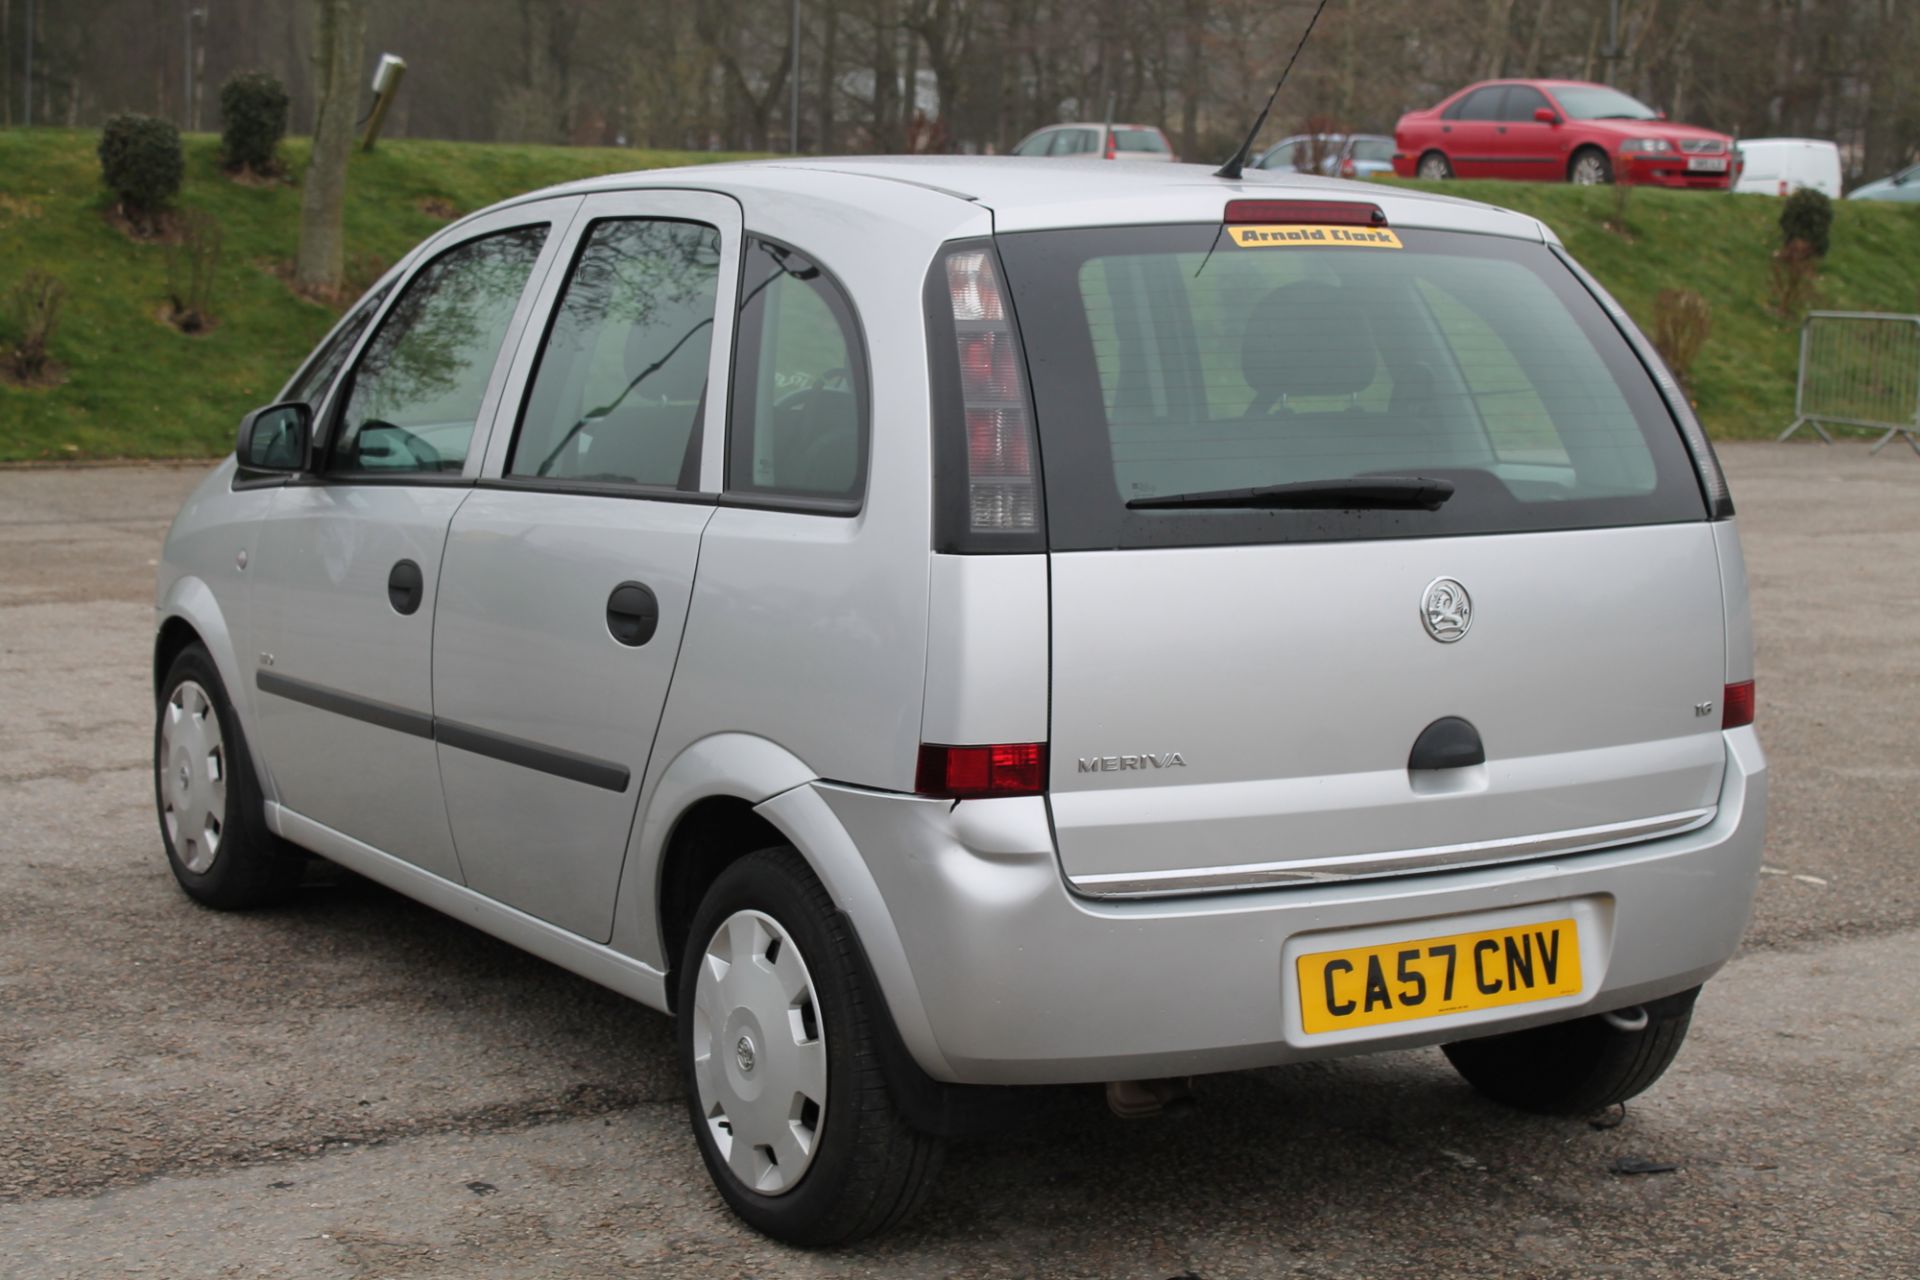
column 954, row 623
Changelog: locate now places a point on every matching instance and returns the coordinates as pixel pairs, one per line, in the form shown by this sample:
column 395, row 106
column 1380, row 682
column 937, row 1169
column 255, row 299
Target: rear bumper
column 1006, row 977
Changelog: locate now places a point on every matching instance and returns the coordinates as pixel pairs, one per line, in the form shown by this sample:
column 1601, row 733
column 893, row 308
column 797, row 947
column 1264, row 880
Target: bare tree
column 340, row 28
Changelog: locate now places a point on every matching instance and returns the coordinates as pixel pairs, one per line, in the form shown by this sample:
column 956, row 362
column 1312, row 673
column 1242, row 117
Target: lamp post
column 793, row 75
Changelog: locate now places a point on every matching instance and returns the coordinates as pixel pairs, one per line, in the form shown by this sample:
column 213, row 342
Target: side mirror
column 275, row 438
column 1546, row 115
column 1661, row 114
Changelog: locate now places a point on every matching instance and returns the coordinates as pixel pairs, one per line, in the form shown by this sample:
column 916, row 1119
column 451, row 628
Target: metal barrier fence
column 1859, row 369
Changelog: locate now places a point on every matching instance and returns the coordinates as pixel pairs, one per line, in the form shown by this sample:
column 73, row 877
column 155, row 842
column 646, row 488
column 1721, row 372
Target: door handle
column 405, row 585
column 1502, row 129
column 633, row 614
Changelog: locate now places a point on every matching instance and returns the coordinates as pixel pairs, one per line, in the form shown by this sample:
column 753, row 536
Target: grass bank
column 136, row 387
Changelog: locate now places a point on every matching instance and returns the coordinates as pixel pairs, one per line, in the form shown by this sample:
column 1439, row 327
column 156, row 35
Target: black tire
column 250, row 866
column 1434, row 166
column 1603, row 167
column 1571, row 1068
column 871, row 1169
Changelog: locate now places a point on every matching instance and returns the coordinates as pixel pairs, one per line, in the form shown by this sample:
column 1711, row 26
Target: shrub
column 1682, row 319
column 253, row 119
column 1793, row 284
column 140, row 159
column 1807, row 216
column 35, row 305
column 191, row 265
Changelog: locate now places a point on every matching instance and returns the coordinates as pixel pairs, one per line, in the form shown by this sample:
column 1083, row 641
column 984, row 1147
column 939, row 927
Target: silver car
column 942, row 624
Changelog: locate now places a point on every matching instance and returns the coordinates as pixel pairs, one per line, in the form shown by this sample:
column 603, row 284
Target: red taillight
column 976, row 773
column 1002, row 493
column 1334, row 213
column 1736, row 705
column 1347, row 170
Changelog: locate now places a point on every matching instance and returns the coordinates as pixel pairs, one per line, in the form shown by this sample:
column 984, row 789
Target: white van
column 1781, row 166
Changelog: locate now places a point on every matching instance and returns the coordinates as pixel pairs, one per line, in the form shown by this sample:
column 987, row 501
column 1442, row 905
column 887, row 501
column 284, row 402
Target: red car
column 1558, row 130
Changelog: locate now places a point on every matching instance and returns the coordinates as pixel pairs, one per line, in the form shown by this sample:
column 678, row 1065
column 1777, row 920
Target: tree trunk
column 340, row 29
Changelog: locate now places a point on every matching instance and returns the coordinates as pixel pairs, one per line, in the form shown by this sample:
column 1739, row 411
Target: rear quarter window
column 1169, row 360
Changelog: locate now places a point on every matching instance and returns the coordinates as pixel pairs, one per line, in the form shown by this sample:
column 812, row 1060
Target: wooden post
column 386, row 84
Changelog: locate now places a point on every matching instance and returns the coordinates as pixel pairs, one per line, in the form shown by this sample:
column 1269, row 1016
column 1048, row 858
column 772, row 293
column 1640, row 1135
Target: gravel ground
column 355, row 1086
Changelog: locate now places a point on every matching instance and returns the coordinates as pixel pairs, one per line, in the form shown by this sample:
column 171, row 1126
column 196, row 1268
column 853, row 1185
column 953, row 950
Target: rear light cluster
column 1002, row 494
column 1736, row 705
column 978, row 773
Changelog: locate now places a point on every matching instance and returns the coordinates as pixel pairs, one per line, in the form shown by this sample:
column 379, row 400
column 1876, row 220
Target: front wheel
column 1590, row 168
column 1434, row 167
column 779, row 1049
column 1570, row 1068
column 212, row 815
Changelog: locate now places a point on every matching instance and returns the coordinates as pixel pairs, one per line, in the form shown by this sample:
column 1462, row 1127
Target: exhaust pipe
column 1139, row 1099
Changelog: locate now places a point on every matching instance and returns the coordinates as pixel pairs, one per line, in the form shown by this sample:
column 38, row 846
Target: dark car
column 1559, row 130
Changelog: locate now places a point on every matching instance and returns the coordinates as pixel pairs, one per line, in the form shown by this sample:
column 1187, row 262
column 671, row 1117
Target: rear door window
column 622, row 379
column 1483, row 104
column 1169, row 360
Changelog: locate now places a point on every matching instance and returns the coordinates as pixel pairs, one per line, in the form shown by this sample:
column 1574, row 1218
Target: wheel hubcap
column 193, row 770
column 759, row 1054
column 1587, row 172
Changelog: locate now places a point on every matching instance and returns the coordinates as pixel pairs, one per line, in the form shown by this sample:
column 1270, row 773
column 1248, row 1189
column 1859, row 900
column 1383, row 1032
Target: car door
column 1469, row 138
column 345, row 565
column 1529, row 149
column 568, row 573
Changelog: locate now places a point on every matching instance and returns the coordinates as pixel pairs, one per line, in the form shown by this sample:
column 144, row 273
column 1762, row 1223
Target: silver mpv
column 936, row 625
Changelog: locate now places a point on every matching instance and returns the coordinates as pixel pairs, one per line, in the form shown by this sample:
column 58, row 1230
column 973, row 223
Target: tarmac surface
column 354, row 1086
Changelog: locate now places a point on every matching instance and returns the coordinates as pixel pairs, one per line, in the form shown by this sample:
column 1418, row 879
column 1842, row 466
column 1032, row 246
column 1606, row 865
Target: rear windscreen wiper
column 1411, row 492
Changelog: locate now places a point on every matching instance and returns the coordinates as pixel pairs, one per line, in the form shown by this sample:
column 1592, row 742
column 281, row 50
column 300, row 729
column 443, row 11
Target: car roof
column 1030, row 193
column 1094, row 124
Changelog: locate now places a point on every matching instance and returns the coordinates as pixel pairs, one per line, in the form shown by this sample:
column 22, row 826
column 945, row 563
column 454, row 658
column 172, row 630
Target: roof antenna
column 1231, row 169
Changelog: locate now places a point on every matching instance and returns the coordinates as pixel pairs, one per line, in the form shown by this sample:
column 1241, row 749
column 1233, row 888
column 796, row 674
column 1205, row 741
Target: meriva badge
column 1446, row 610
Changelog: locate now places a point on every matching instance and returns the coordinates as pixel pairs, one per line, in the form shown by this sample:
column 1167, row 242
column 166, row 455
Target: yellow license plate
column 1428, row 977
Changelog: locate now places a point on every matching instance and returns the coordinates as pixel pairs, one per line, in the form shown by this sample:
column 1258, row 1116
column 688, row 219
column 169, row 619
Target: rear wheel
column 212, row 815
column 1434, row 167
column 779, row 1047
column 1590, row 168
column 1568, row 1068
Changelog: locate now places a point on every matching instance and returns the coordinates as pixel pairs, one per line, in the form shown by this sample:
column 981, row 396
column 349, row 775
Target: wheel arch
column 189, row 614
column 1573, row 158
column 723, row 797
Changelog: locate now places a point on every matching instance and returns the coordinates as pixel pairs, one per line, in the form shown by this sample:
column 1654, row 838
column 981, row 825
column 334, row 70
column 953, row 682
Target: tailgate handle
column 1447, row 743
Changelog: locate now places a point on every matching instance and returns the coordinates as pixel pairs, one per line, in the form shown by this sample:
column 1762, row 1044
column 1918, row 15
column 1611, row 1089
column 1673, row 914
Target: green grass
column 134, row 386
column 1720, row 246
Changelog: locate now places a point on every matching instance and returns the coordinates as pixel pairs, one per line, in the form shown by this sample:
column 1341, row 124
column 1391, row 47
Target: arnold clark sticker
column 1272, row 237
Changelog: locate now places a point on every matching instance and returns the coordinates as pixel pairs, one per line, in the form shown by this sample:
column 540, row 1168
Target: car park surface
column 359, row 1086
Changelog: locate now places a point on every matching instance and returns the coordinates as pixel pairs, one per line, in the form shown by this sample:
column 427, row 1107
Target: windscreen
column 1177, row 360
column 1595, row 102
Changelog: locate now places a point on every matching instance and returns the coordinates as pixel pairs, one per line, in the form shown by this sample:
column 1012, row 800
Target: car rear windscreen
column 1138, row 140
column 1172, row 360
